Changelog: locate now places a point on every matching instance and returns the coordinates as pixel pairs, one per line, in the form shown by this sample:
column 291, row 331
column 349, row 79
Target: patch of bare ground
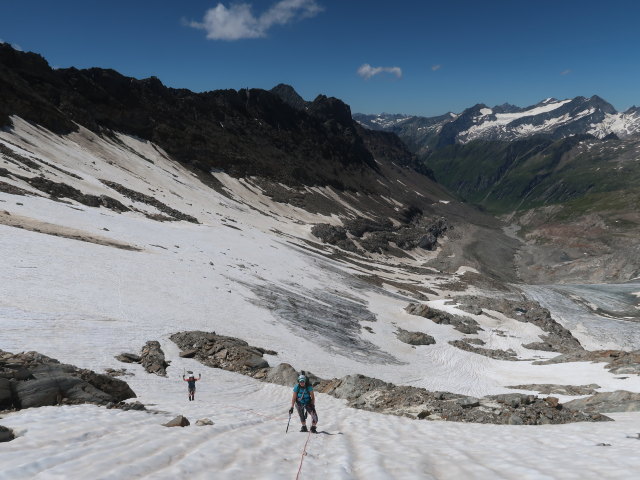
column 34, row 225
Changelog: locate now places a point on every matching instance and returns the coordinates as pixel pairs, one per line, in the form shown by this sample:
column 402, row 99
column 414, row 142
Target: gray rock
column 491, row 353
column 515, row 420
column 6, row 434
column 179, row 421
column 203, row 422
column 56, row 391
column 51, row 383
column 219, row 351
column 607, row 402
column 283, row 374
column 354, row 386
column 188, row 353
column 128, row 358
column 415, row 338
column 468, row 402
column 6, row 396
column 152, row 358
column 463, row 324
column 255, row 361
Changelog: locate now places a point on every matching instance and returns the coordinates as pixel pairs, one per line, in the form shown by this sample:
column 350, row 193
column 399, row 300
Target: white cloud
column 238, row 21
column 565, row 72
column 435, row 68
column 366, row 71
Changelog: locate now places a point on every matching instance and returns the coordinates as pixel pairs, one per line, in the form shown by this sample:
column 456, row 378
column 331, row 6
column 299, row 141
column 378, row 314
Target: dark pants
column 310, row 409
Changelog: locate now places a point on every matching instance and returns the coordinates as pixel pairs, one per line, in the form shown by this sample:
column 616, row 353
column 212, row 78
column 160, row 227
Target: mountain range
column 550, row 171
column 551, row 118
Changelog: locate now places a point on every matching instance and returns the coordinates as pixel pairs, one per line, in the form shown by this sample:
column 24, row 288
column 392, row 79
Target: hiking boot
column 313, row 429
column 304, row 428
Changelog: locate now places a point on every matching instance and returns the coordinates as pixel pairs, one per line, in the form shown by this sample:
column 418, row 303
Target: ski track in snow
column 83, row 303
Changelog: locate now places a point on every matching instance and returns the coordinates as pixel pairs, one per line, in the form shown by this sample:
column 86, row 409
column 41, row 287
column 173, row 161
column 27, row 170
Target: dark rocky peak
column 22, row 61
column 507, row 108
column 289, row 96
column 330, row 108
column 633, row 110
column 595, row 101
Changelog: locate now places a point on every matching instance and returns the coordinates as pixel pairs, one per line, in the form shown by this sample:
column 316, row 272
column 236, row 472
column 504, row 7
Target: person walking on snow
column 191, row 380
column 304, row 400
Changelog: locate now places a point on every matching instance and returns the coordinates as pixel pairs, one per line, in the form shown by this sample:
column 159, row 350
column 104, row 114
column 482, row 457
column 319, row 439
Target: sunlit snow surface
column 83, row 303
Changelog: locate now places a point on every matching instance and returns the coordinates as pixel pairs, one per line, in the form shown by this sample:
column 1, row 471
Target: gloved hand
column 290, row 410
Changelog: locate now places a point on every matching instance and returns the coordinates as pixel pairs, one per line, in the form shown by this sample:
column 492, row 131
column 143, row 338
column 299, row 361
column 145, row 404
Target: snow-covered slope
column 82, row 284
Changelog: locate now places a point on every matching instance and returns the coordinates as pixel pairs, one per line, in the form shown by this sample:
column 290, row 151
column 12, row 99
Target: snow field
column 83, row 303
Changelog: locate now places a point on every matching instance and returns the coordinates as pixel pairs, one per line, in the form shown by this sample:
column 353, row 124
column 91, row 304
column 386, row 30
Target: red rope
column 304, row 453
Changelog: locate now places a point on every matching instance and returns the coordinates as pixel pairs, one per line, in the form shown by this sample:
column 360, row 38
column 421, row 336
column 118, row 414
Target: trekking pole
column 287, row 430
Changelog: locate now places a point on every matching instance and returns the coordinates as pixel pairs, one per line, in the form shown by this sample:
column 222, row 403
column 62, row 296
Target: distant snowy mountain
column 381, row 121
column 551, row 117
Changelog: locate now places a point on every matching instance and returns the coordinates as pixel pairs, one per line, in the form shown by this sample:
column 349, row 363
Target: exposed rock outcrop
column 557, row 339
column 515, row 409
column 491, row 353
column 152, row 358
column 376, row 395
column 460, row 323
column 379, row 236
column 607, row 402
column 31, row 379
column 415, row 338
column 552, row 389
column 219, row 351
column 149, row 200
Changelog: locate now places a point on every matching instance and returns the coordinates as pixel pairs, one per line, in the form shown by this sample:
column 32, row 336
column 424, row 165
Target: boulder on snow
column 283, row 374
column 219, row 351
column 6, row 434
column 57, row 390
column 128, row 358
column 414, row 338
column 152, row 358
column 50, row 382
column 179, row 421
column 203, row 422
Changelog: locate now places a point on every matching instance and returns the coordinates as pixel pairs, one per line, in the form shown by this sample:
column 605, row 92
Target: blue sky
column 416, row 57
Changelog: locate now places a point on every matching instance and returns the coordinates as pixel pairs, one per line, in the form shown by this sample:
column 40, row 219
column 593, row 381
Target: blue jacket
column 303, row 394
